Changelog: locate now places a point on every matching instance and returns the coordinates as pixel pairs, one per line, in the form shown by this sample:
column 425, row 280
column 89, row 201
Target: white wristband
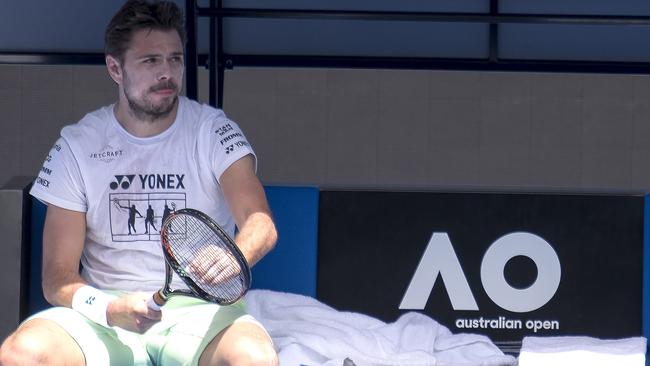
column 92, row 303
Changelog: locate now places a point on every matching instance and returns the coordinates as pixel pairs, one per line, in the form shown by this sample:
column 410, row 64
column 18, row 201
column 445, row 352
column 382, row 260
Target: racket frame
column 172, row 266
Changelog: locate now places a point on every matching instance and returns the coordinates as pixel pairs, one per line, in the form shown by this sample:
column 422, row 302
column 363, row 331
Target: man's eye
column 149, row 61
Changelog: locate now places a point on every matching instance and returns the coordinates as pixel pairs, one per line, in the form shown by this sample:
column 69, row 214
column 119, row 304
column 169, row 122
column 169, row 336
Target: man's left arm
column 245, row 196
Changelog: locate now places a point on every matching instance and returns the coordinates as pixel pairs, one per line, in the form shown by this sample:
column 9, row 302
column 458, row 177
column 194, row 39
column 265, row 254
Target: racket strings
column 205, row 257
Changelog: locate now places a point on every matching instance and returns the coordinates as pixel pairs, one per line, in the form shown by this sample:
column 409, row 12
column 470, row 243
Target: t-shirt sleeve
column 59, row 182
column 227, row 144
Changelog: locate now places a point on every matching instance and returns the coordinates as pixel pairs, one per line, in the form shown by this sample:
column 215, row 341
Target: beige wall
column 449, row 130
column 384, row 128
column 35, row 102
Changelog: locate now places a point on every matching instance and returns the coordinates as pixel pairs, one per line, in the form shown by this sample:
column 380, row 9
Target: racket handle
column 156, row 301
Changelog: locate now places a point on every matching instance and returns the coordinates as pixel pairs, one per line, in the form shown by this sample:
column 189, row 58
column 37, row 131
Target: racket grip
column 155, row 302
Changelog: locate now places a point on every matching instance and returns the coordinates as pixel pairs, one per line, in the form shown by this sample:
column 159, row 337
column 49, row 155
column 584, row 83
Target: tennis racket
column 202, row 254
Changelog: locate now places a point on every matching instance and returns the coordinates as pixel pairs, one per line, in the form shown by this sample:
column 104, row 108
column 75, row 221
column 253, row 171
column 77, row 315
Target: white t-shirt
column 127, row 185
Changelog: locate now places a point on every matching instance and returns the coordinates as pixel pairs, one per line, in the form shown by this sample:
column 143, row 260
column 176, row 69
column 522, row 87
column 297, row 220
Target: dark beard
column 146, row 111
column 149, row 112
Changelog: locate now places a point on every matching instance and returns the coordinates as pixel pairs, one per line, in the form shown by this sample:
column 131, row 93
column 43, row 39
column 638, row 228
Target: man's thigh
column 100, row 346
column 188, row 327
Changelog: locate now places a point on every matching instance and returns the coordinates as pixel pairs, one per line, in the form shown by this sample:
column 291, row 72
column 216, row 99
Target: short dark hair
column 136, row 15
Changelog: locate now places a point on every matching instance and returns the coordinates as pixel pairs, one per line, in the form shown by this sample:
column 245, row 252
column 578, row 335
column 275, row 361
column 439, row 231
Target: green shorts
column 187, row 326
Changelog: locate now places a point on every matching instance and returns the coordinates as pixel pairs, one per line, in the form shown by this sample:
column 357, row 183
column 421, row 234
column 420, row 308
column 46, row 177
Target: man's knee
column 23, row 348
column 251, row 352
column 243, row 343
column 37, row 343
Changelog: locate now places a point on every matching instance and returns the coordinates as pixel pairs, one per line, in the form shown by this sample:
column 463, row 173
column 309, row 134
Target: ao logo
column 439, row 258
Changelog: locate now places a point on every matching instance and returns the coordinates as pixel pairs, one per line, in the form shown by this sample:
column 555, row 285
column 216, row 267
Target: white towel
column 308, row 332
column 579, row 351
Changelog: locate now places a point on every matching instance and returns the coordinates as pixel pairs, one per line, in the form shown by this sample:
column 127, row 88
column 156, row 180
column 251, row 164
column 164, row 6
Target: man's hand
column 213, row 266
column 132, row 313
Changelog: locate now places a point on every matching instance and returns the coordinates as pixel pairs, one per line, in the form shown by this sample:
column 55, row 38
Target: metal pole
column 191, row 63
column 212, row 66
column 494, row 32
column 220, row 58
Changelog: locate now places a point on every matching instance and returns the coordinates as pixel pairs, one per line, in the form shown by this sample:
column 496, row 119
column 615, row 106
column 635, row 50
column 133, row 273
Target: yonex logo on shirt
column 121, row 182
column 149, row 181
column 230, row 148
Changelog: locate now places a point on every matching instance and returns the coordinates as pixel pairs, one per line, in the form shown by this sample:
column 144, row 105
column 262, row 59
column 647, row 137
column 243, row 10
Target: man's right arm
column 63, row 241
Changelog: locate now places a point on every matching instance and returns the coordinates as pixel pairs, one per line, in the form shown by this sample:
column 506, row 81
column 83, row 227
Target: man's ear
column 114, row 69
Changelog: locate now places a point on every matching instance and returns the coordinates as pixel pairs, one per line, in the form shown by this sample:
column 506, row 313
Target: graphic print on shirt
column 139, row 216
column 46, row 171
column 107, row 154
column 230, row 138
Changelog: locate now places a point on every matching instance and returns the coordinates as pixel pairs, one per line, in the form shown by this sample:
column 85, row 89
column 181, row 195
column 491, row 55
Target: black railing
column 223, row 60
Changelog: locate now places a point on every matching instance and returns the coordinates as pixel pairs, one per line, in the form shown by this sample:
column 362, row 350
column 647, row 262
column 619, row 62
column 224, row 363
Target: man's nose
column 164, row 70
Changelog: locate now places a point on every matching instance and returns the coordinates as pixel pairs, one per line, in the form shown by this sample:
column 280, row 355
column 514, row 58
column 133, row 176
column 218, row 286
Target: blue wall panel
column 35, row 300
column 291, row 266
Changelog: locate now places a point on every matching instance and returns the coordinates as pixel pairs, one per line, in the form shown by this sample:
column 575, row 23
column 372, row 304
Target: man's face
column 152, row 69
